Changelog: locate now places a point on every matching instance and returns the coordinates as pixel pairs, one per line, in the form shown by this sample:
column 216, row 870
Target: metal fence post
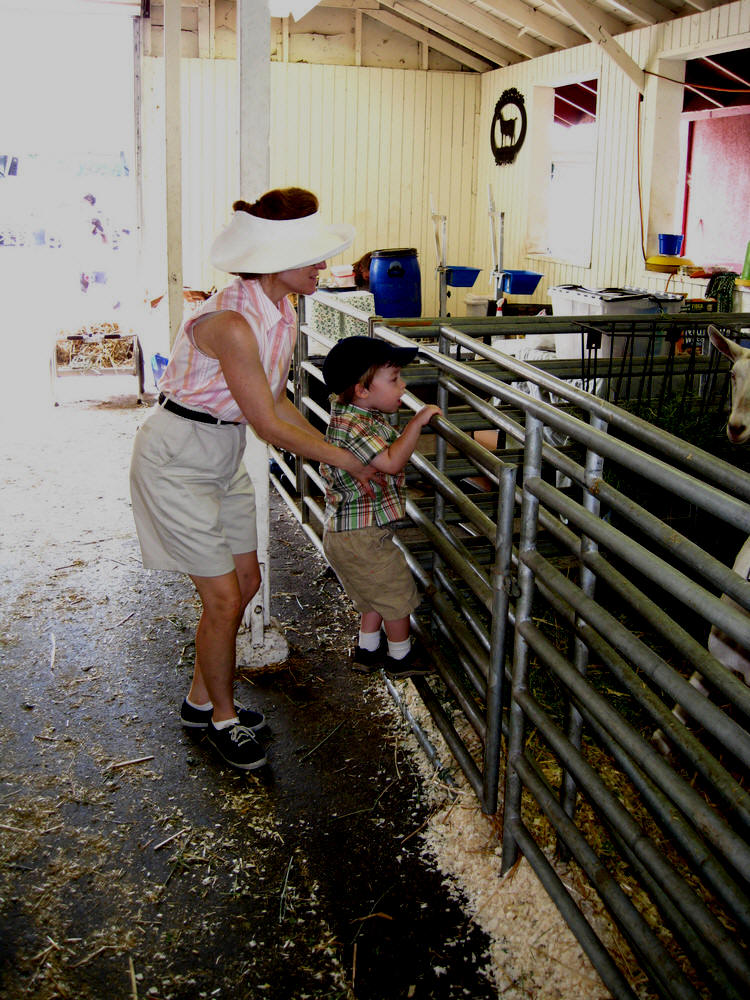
column 516, row 720
column 502, row 585
column 594, row 466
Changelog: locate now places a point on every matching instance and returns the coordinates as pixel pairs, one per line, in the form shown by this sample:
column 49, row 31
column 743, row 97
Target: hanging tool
column 440, row 225
column 497, row 224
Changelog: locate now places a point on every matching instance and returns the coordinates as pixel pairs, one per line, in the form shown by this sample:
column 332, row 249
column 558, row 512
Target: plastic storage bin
column 575, row 300
column 332, row 324
column 396, row 283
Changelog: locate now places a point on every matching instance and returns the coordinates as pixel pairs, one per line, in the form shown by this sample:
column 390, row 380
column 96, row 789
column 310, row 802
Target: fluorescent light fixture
column 297, row 8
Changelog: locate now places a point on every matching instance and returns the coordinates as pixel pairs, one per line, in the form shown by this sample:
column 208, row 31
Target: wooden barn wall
column 374, row 144
column 617, row 258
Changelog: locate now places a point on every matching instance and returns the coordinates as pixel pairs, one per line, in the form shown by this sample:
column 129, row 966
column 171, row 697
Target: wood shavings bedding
column 534, row 953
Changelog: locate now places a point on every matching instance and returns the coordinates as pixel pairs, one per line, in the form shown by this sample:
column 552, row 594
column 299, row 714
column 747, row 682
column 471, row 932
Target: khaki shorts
column 193, row 501
column 373, row 571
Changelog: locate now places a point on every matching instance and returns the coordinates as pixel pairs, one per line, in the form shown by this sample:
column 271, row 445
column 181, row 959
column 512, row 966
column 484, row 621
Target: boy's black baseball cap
column 349, row 359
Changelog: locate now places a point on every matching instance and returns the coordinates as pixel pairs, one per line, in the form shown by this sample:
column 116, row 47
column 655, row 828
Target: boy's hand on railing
column 425, row 415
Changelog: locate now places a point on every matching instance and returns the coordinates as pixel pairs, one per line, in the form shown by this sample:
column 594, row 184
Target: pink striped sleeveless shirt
column 195, row 380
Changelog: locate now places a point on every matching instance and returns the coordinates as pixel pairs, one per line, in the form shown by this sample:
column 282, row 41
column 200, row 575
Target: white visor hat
column 251, row 245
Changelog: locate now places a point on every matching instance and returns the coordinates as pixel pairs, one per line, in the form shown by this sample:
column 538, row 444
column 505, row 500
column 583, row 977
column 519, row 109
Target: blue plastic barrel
column 395, row 282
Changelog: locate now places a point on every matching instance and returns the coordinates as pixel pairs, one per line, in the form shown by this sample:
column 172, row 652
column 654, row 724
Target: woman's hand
column 362, row 473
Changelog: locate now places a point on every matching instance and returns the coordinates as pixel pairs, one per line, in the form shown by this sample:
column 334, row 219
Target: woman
column 193, row 501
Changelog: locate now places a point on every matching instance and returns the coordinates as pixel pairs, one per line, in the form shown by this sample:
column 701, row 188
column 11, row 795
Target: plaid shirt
column 197, row 380
column 365, row 433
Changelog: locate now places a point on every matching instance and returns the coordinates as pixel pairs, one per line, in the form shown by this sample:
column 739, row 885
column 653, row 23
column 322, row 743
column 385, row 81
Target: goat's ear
column 721, row 343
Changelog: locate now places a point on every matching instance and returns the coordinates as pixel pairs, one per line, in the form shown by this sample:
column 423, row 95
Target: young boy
column 365, row 375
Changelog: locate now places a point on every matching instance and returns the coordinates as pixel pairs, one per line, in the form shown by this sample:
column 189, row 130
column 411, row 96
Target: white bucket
column 342, row 276
column 476, row 305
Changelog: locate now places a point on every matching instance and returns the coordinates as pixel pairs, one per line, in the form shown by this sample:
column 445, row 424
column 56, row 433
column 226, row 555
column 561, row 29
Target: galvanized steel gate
column 563, row 618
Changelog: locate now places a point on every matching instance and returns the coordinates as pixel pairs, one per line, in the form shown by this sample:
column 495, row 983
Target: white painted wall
column 375, row 143
column 372, row 143
column 617, row 257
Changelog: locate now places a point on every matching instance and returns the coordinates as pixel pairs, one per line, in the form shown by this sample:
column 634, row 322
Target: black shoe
column 199, row 718
column 367, row 661
column 237, row 745
column 412, row 665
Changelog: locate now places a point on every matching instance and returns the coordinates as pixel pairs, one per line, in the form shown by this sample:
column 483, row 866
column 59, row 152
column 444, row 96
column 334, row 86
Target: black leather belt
column 183, row 411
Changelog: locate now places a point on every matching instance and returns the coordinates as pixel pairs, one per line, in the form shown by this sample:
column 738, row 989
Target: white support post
column 173, row 143
column 259, row 645
column 662, row 201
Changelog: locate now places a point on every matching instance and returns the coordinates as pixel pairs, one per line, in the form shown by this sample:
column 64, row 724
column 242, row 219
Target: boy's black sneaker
column 199, row 718
column 367, row 661
column 412, row 665
column 237, row 745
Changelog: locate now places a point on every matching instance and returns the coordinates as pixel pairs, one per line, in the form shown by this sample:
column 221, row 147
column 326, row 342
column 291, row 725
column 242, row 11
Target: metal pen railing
column 563, row 613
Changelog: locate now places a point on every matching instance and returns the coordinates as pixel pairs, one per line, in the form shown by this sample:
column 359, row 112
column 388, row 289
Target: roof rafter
column 454, row 30
column 433, row 41
column 647, row 11
column 588, row 20
column 542, row 24
column 493, row 27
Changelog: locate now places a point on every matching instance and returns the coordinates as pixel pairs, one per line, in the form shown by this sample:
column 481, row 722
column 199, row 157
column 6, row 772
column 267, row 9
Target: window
column 715, row 160
column 562, row 215
column 700, row 157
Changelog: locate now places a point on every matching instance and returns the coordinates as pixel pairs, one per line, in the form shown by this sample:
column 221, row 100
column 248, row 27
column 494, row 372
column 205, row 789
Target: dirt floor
column 132, row 864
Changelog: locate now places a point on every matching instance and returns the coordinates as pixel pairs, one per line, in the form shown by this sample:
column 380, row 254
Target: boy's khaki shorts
column 372, row 571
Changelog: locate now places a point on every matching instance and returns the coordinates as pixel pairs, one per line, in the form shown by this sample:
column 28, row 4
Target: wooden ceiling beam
column 433, row 41
column 542, row 24
column 455, row 31
column 351, row 4
column 726, row 72
column 588, row 20
column 646, row 11
column 492, row 27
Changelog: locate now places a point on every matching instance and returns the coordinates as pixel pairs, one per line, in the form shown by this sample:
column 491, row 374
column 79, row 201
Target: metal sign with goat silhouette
column 512, row 127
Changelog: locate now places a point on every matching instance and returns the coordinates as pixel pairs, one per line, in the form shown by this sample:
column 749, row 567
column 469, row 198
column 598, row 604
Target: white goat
column 727, row 651
column 738, row 425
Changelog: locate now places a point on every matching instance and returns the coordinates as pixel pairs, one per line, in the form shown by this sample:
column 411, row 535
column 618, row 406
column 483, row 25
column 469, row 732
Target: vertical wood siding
column 372, row 143
column 617, row 257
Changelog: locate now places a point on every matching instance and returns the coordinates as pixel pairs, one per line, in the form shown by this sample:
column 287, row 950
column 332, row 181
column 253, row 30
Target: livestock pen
column 570, row 577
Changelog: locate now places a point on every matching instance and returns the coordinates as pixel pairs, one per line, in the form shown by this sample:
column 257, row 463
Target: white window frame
column 543, row 155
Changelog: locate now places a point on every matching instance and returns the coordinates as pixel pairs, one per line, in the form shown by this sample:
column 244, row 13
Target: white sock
column 202, row 708
column 369, row 640
column 226, row 723
column 398, row 650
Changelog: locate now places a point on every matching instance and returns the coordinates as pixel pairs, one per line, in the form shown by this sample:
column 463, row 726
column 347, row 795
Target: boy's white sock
column 226, row 723
column 369, row 640
column 398, row 650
